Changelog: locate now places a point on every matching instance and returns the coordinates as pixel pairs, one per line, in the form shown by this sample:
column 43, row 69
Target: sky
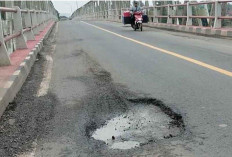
column 66, row 8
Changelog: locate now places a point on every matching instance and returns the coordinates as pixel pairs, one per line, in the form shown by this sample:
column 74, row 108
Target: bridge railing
column 34, row 22
column 156, row 16
column 189, row 16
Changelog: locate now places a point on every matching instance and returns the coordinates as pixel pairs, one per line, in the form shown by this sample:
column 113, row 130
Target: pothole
column 147, row 120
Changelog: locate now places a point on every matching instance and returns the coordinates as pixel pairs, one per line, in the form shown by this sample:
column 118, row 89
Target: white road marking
column 8, row 84
column 23, row 64
column 28, row 57
column 44, row 86
column 223, row 125
column 16, row 72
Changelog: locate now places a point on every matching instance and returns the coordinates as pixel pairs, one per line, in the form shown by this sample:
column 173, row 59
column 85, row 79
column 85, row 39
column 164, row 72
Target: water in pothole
column 140, row 125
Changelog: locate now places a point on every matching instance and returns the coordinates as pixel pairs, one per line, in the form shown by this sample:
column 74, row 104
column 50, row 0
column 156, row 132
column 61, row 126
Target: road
column 102, row 70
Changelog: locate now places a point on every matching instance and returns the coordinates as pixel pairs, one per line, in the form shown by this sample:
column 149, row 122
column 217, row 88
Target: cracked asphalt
column 97, row 77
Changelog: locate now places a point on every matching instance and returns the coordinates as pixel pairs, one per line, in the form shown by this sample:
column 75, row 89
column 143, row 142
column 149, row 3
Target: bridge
column 92, row 86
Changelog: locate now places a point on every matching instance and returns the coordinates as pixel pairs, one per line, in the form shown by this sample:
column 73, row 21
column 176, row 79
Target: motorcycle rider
column 134, row 9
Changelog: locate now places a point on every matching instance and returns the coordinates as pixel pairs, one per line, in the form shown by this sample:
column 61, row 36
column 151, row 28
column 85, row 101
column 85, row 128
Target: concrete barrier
column 206, row 31
column 12, row 85
column 227, row 33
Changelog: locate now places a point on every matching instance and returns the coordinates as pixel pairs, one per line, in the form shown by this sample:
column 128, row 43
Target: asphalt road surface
column 169, row 91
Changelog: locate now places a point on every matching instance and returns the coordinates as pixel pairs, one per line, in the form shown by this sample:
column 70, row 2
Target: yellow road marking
column 214, row 68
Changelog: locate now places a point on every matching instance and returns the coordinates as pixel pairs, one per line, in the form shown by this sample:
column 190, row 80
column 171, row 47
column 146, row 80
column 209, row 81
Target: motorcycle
column 138, row 23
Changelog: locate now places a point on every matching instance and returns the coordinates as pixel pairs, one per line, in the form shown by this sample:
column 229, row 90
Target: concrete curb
column 16, row 80
column 193, row 29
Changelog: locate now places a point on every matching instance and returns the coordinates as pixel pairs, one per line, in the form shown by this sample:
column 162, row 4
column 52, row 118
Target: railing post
column 46, row 18
column 111, row 17
column 43, row 19
column 29, row 34
column 169, row 20
column 4, row 57
column 155, row 13
column 218, row 13
column 189, row 21
column 112, row 14
column 20, row 41
column 117, row 15
column 40, row 21
column 34, row 23
column 50, row 16
column 121, row 14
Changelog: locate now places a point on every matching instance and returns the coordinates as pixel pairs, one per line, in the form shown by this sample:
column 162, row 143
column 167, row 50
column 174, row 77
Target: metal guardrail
column 5, row 9
column 216, row 3
column 217, row 18
column 12, row 36
column 35, row 21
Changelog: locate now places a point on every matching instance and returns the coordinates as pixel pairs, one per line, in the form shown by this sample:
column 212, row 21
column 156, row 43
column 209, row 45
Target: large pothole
column 121, row 123
column 146, row 121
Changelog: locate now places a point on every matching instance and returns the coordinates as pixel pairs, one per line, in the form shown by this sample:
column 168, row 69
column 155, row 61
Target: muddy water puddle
column 142, row 124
